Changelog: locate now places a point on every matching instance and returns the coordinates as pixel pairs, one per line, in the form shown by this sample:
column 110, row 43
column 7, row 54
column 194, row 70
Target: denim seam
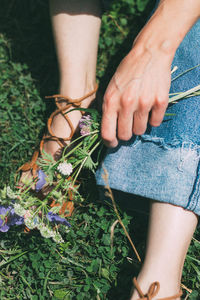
column 193, row 199
column 195, row 194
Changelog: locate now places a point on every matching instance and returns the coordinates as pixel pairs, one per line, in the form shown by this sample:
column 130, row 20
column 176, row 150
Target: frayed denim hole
column 188, row 151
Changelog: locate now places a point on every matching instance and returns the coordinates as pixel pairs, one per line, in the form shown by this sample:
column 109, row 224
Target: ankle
column 60, row 124
column 79, row 89
column 168, row 286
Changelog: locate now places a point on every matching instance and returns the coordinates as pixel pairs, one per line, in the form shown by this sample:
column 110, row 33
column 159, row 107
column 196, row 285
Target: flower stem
column 184, row 94
column 83, row 162
column 110, row 195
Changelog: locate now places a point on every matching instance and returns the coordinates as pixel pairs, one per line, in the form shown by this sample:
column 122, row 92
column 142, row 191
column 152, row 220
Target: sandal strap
column 153, row 291
column 59, row 99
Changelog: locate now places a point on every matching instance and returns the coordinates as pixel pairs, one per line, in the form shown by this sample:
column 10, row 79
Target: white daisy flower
column 65, row 168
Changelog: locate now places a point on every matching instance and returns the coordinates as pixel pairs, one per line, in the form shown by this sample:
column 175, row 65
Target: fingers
column 125, row 115
column 109, row 119
column 128, row 102
column 108, row 129
column 131, row 117
column 141, row 114
column 158, row 111
column 117, row 120
column 125, row 124
column 140, row 122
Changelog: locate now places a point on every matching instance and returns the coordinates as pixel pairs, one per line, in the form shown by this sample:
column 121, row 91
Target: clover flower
column 85, row 120
column 30, row 221
column 85, row 130
column 65, row 168
column 85, row 125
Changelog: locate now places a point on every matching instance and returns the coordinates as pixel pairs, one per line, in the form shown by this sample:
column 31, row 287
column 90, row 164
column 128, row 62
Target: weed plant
column 91, row 264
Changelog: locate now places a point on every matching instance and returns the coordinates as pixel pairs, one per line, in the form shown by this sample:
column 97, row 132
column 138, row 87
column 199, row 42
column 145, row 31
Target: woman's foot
column 61, row 127
column 170, row 231
column 155, row 289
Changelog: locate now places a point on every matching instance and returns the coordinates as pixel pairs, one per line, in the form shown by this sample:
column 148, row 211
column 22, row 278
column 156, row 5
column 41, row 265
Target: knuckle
column 161, row 102
column 109, row 100
column 144, row 105
column 126, row 101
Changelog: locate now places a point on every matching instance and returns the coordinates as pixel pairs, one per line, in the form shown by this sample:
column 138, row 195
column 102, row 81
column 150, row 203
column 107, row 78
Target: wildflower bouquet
column 41, row 203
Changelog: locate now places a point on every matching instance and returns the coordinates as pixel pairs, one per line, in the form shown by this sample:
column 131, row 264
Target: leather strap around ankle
column 153, row 291
column 59, row 100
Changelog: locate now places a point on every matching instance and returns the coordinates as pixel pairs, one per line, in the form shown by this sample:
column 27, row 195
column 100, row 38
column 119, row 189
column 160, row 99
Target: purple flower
column 57, row 219
column 85, row 120
column 15, row 219
column 85, row 125
column 4, row 227
column 9, row 218
column 4, row 212
column 41, row 180
column 85, row 130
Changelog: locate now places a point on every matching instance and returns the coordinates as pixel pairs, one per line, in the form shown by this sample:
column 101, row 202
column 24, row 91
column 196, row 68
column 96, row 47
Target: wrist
column 167, row 27
column 159, row 48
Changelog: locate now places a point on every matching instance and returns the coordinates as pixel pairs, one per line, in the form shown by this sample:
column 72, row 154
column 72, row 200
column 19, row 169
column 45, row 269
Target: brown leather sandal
column 32, row 165
column 153, row 291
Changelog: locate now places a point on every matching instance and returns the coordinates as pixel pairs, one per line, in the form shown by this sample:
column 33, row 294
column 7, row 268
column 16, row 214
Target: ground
column 91, row 264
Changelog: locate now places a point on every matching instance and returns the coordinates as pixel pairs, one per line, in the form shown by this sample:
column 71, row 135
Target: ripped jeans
column 164, row 163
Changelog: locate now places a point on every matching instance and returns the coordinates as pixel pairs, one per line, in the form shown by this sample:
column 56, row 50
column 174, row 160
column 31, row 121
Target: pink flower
column 27, row 214
column 85, row 125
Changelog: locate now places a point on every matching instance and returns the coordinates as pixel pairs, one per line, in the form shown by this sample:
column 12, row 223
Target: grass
column 96, row 261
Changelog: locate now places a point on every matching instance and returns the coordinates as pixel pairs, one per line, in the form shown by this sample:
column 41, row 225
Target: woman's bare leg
column 170, row 232
column 76, row 26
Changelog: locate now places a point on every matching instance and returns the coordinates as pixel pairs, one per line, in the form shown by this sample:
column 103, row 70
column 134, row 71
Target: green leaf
column 105, row 273
column 123, row 21
column 60, row 294
column 141, row 4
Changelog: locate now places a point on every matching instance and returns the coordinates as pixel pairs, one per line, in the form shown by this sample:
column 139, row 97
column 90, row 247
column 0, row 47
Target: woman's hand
column 141, row 83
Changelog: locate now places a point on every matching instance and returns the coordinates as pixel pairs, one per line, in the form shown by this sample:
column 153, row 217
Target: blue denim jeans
column 163, row 164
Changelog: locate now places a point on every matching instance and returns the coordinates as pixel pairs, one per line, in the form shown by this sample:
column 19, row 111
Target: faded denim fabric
column 164, row 163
